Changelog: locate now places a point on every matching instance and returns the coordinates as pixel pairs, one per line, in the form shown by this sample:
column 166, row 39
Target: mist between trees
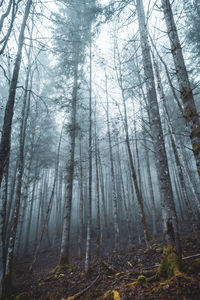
column 100, row 130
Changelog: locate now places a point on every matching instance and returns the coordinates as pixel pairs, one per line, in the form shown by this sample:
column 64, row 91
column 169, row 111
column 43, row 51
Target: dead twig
column 83, row 291
column 191, row 256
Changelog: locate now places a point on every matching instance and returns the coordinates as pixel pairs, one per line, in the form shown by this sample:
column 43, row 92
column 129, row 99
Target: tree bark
column 114, row 195
column 49, row 206
column 64, row 252
column 132, row 166
column 176, row 155
column 20, row 169
column 89, row 218
column 170, row 221
column 8, row 116
column 190, row 111
column 27, row 235
column 80, row 236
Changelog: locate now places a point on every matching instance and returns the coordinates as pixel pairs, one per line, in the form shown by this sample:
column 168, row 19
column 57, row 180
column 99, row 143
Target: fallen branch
column 149, row 279
column 151, row 267
column 191, row 256
column 84, row 290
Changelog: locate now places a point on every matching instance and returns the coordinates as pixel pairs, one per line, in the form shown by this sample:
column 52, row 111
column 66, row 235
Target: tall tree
column 79, row 17
column 9, row 110
column 190, row 111
column 89, row 221
column 133, row 170
column 114, row 193
column 170, row 222
column 9, row 16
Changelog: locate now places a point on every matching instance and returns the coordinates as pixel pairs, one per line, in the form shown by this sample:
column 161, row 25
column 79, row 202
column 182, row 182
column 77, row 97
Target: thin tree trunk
column 168, row 77
column 11, row 196
column 39, row 212
column 89, row 221
column 114, row 196
column 64, row 252
column 149, row 176
column 98, row 238
column 49, row 206
column 3, row 214
column 102, row 192
column 127, row 213
column 133, row 170
column 80, row 237
column 27, row 236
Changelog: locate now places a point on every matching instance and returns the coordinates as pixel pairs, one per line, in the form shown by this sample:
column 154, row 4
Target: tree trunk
column 27, row 235
column 64, row 252
column 114, row 195
column 80, row 237
column 49, row 206
column 25, row 114
column 174, row 147
column 133, row 170
column 14, row 221
column 124, row 196
column 89, row 220
column 190, row 111
column 102, row 192
column 3, row 215
column 98, row 238
column 8, row 116
column 149, row 177
column 170, row 221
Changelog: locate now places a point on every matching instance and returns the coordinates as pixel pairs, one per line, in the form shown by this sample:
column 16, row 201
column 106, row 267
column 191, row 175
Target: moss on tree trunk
column 170, row 263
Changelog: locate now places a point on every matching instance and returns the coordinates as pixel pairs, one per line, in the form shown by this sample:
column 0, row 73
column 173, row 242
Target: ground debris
column 127, row 274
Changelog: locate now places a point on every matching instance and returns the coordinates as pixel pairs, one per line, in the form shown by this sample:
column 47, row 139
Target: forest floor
column 126, row 274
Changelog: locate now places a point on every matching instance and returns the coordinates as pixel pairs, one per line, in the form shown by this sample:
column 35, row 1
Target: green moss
column 174, row 288
column 140, row 281
column 149, row 273
column 169, row 263
column 58, row 276
column 112, row 293
column 60, row 268
column 23, row 296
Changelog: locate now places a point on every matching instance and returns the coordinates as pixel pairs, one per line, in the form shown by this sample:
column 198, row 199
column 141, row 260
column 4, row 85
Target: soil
column 123, row 274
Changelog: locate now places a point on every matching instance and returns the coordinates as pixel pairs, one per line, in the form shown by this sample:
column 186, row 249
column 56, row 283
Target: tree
column 192, row 11
column 89, row 220
column 10, row 13
column 133, row 170
column 78, row 30
column 170, row 222
column 8, row 116
column 190, row 111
